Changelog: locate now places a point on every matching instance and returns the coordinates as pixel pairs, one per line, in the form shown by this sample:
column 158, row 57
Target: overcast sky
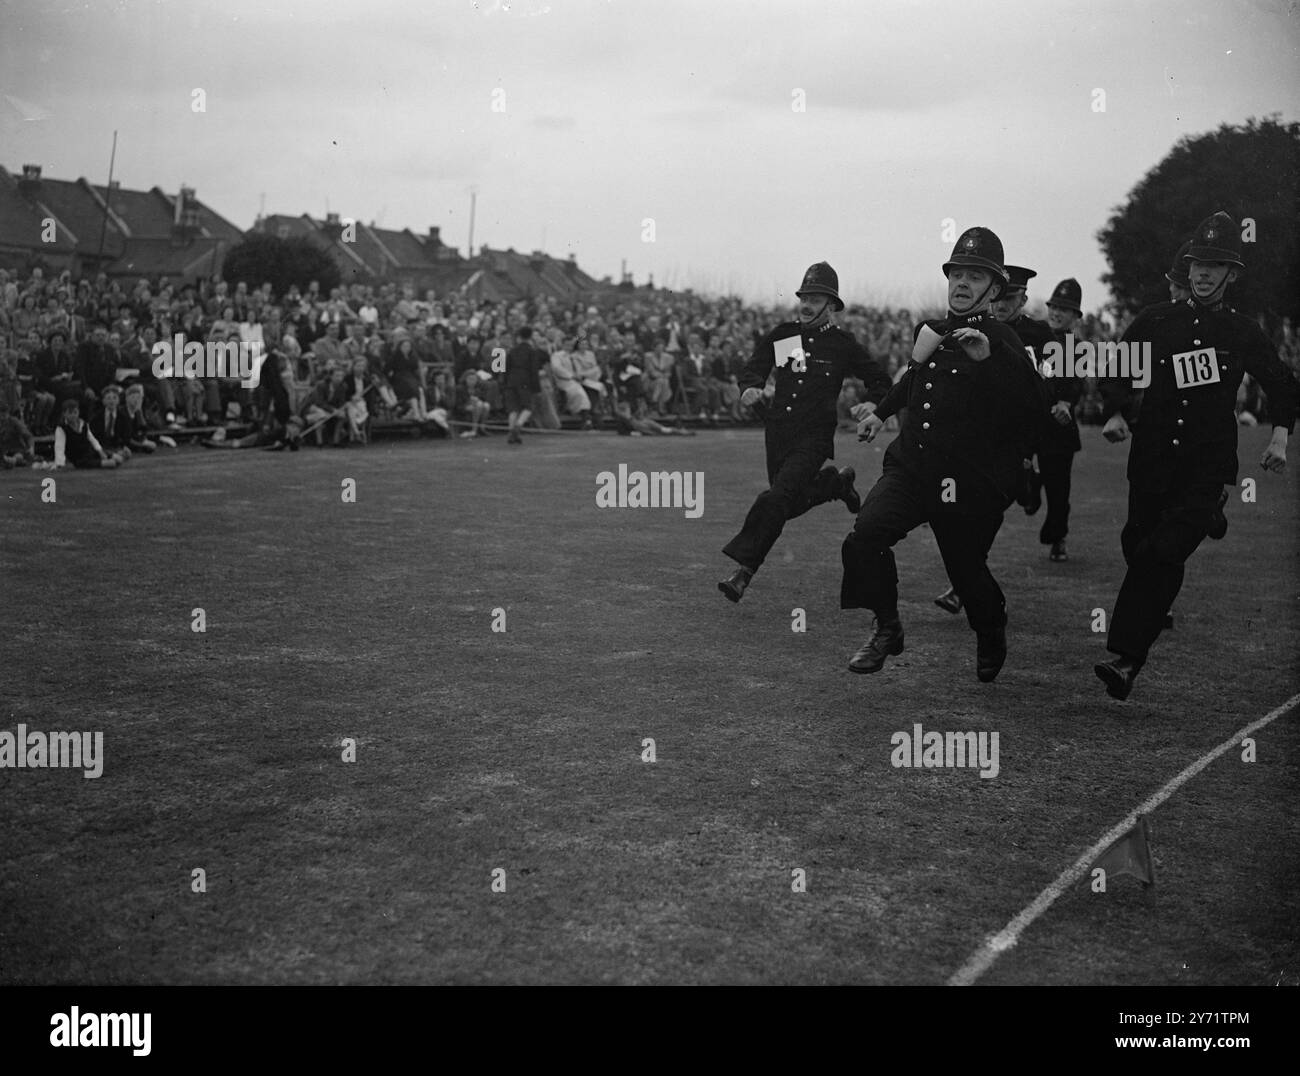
column 682, row 112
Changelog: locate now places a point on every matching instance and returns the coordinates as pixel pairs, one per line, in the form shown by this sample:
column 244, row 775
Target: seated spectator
column 569, row 387
column 10, row 388
column 27, row 317
column 658, row 379
column 586, row 369
column 17, row 445
column 328, row 348
column 75, row 445
column 628, row 381
column 111, row 427
column 137, row 425
column 95, row 365
column 54, row 368
column 403, row 373
column 42, row 401
column 357, row 383
column 325, row 406
column 728, row 388
column 472, row 400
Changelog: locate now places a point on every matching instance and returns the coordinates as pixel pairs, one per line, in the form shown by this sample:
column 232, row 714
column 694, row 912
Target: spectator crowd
column 75, row 362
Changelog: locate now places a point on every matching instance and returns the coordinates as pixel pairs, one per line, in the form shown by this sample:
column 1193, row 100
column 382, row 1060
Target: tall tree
column 260, row 258
column 1253, row 172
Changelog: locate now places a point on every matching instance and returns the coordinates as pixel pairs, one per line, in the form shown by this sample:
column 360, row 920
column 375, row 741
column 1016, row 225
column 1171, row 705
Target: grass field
column 522, row 750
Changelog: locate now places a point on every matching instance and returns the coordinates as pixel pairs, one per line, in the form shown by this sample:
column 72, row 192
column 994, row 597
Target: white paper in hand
column 787, row 347
column 927, row 343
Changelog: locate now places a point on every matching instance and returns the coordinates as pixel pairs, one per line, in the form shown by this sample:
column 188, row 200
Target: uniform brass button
column 1175, row 442
column 954, row 371
column 927, row 407
column 1184, row 403
column 792, row 396
column 789, row 408
column 929, row 385
column 1195, row 341
column 925, row 425
column 1180, row 422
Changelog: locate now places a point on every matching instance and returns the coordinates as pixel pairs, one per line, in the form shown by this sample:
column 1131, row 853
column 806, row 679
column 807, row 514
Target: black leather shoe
column 885, row 640
column 990, row 654
column 1218, row 521
column 948, row 601
column 734, row 585
column 848, row 494
column 1118, row 675
column 1058, row 552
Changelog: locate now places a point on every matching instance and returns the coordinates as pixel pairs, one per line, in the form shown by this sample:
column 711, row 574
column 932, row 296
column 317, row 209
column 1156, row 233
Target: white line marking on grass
column 1007, row 937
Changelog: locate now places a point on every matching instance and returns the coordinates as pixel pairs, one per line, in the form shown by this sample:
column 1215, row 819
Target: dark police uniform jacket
column 966, row 420
column 1185, row 423
column 803, row 408
column 1058, row 439
column 521, row 372
column 1034, row 336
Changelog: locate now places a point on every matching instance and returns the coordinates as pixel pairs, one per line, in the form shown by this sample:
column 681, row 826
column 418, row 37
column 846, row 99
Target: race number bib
column 1195, row 368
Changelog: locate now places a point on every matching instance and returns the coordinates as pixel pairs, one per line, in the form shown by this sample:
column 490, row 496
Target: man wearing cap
column 1008, row 308
column 811, row 358
column 1059, row 437
column 1184, row 428
column 971, row 399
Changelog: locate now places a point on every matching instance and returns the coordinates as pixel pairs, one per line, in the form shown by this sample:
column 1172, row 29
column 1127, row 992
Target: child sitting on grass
column 74, row 443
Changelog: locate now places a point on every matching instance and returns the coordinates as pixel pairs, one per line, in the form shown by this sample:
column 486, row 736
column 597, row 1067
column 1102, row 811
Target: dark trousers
column 1055, row 469
column 897, row 504
column 1164, row 528
column 798, row 483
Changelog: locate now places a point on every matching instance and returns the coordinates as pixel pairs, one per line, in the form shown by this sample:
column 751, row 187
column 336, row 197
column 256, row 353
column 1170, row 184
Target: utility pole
column 473, row 198
column 108, row 194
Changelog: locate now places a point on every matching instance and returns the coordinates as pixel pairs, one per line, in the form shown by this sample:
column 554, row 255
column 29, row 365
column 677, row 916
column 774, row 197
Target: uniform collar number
column 1195, row 368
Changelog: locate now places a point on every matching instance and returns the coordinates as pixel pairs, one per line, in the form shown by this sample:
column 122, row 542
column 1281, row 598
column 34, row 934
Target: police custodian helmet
column 821, row 279
column 980, row 249
column 1068, row 295
column 1217, row 239
column 1178, row 271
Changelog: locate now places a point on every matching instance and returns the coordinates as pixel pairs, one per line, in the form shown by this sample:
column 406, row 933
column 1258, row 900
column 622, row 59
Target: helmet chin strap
column 1216, row 296
column 975, row 305
column 822, row 314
